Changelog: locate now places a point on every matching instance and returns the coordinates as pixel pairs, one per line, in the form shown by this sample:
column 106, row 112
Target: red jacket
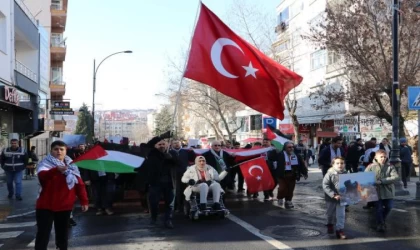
column 55, row 194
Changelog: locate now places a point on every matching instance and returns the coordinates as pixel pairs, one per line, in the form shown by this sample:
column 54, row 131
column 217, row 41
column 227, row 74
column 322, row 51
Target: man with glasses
column 220, row 160
column 290, row 167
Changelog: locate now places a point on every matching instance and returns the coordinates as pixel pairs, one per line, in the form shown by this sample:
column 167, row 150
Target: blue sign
column 414, row 98
column 269, row 121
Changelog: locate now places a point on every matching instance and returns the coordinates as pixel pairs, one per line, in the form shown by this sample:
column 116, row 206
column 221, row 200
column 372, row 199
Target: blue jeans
column 14, row 176
column 383, row 207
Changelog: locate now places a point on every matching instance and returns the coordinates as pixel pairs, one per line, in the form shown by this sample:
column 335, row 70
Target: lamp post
column 95, row 71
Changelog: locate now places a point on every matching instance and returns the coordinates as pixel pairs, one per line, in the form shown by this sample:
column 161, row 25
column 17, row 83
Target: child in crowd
column 336, row 213
column 386, row 176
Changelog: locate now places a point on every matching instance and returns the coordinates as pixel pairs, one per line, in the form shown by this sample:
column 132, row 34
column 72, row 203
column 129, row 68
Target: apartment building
column 19, row 73
column 52, row 15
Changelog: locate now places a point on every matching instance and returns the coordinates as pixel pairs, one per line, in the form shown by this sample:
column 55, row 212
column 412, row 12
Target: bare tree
column 257, row 27
column 360, row 32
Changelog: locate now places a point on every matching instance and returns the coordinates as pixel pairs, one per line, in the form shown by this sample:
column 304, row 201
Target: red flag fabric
column 257, row 175
column 93, row 154
column 223, row 60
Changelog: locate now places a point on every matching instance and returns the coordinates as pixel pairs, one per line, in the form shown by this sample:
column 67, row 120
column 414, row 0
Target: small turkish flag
column 226, row 62
column 257, row 175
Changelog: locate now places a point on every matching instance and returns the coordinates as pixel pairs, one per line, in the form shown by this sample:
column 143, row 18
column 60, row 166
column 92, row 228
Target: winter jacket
column 330, row 184
column 324, row 159
column 405, row 155
column 388, row 175
column 160, row 165
column 14, row 160
column 55, row 194
column 192, row 174
column 299, row 170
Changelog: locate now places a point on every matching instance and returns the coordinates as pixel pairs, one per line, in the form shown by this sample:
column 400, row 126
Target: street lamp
column 95, row 71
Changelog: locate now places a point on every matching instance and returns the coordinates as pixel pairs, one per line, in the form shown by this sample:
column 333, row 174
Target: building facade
column 19, row 73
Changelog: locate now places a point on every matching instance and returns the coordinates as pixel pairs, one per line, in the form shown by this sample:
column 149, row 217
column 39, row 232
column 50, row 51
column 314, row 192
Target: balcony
column 58, row 88
column 58, row 50
column 59, row 125
column 21, row 68
column 59, row 14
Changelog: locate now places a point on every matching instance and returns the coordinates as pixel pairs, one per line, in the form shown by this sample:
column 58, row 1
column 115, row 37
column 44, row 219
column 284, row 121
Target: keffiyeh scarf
column 221, row 165
column 71, row 173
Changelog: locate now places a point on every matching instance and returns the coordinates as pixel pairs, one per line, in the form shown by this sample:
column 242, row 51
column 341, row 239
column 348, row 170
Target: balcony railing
column 57, row 6
column 27, row 11
column 58, row 43
column 58, row 82
column 21, row 68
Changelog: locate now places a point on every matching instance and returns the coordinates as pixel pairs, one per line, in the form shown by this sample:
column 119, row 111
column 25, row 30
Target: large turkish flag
column 257, row 175
column 223, row 60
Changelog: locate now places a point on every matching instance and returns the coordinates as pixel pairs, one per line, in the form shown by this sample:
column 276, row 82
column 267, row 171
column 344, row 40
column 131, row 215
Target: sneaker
column 19, row 198
column 289, row 205
column 202, row 206
column 216, row 206
column 108, row 211
column 280, row 202
column 255, row 195
column 169, row 225
column 72, row 222
column 100, row 212
column 340, row 234
column 330, row 228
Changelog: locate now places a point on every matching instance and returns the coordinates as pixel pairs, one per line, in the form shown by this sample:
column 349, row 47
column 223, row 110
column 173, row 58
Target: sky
column 155, row 31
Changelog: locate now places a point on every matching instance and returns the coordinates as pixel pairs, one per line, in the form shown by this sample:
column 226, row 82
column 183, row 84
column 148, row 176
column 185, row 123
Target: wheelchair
column 193, row 211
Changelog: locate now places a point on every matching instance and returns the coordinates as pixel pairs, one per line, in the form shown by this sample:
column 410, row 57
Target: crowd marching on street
column 175, row 172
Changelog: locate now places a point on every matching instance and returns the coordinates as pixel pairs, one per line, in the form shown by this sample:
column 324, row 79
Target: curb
column 413, row 202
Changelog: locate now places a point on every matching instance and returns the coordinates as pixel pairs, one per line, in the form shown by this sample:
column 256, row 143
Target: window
column 333, row 58
column 318, row 59
column 316, row 20
column 3, row 32
column 256, row 122
column 57, row 40
column 283, row 46
column 284, row 16
column 244, row 121
column 57, row 4
column 56, row 75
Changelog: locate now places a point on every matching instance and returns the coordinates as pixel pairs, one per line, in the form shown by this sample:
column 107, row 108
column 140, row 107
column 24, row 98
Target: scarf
column 206, row 172
column 333, row 154
column 221, row 165
column 71, row 173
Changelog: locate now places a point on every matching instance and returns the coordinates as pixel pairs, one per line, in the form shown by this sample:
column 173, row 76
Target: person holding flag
column 290, row 167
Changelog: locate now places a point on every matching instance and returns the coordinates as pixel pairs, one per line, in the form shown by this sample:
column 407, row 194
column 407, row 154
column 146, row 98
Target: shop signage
column 11, row 95
column 61, row 107
column 55, row 112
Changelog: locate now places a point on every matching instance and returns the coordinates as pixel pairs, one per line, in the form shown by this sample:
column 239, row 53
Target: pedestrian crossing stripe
column 416, row 103
column 11, row 234
column 18, row 225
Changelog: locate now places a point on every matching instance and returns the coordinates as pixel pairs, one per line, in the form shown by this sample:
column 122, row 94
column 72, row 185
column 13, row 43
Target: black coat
column 354, row 154
column 158, row 162
column 325, row 157
column 211, row 159
column 183, row 158
column 299, row 170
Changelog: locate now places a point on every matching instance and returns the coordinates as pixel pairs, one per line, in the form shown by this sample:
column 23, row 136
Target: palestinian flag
column 278, row 139
column 99, row 159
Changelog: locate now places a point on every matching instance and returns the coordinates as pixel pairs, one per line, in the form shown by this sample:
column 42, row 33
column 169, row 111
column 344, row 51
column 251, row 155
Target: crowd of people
column 173, row 172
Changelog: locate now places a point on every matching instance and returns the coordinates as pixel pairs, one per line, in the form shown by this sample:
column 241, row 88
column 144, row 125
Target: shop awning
column 333, row 117
column 326, row 134
column 310, row 119
column 30, row 136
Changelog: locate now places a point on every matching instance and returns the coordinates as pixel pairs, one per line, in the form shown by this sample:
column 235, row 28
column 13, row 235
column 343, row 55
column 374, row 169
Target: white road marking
column 16, row 225
column 12, row 234
column 400, row 210
column 1, row 245
column 32, row 244
column 20, row 215
column 255, row 231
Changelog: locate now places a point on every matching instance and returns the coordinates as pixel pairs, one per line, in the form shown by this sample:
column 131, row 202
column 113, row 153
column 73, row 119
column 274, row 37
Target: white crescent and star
column 256, row 167
column 216, row 58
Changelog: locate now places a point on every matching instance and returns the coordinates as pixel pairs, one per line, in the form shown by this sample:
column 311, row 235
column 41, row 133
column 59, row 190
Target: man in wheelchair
column 202, row 179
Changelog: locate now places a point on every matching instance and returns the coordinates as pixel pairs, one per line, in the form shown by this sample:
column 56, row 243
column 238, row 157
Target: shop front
column 347, row 128
column 374, row 127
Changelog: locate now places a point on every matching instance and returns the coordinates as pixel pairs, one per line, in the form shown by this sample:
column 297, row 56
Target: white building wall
column 6, row 41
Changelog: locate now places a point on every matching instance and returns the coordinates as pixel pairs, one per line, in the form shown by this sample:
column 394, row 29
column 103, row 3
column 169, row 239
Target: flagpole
column 184, row 69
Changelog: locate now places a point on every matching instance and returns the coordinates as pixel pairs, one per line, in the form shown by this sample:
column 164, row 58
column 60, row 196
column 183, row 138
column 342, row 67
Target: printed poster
column 357, row 187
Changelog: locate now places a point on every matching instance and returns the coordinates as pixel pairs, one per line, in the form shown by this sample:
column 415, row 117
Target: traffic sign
column 269, row 121
column 52, row 112
column 414, row 98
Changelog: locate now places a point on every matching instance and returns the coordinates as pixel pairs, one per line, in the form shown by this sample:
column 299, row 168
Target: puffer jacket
column 330, row 184
column 192, row 174
column 388, row 175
